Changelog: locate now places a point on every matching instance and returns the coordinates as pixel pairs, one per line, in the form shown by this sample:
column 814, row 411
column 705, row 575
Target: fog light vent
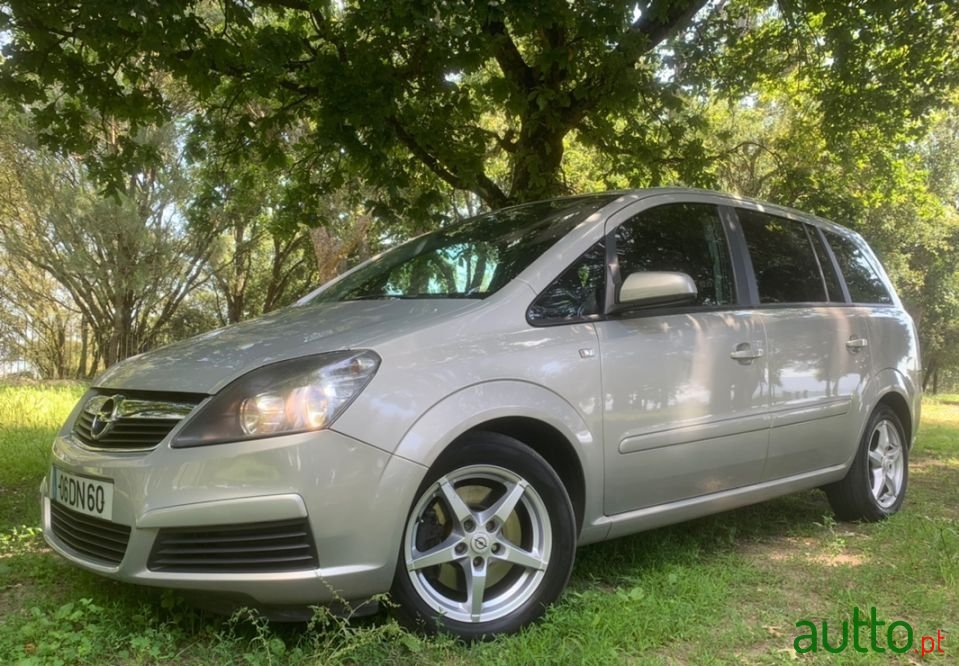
column 252, row 548
column 91, row 537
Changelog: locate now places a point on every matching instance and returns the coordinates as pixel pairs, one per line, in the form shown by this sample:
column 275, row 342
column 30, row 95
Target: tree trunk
column 61, row 350
column 84, row 348
column 237, row 280
column 234, row 306
column 537, row 162
column 94, row 364
column 332, row 250
column 927, row 375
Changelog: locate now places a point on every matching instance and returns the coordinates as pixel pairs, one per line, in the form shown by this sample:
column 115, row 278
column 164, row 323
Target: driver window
column 685, row 237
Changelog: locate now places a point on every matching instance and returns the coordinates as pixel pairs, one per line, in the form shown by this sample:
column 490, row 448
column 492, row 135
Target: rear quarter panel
column 895, row 356
column 894, row 346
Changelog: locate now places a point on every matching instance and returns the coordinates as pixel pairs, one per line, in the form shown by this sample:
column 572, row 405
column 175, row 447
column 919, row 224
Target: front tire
column 489, row 543
column 875, row 486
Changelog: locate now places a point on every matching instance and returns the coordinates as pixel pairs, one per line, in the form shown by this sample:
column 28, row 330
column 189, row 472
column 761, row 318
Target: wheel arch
column 898, row 404
column 530, row 413
column 551, row 444
column 891, row 387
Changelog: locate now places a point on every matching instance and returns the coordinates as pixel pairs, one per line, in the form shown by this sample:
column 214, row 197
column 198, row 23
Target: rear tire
column 875, row 486
column 489, row 542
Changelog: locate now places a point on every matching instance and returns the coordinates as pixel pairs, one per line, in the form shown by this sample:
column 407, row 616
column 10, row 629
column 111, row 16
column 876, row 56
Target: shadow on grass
column 699, row 541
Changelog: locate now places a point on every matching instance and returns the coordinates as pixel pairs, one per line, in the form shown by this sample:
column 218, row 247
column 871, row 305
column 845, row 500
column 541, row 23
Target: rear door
column 684, row 393
column 818, row 350
column 891, row 343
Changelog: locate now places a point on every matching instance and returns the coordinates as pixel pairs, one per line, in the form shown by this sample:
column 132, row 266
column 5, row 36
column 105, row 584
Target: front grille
column 131, row 422
column 253, row 548
column 93, row 537
column 127, row 434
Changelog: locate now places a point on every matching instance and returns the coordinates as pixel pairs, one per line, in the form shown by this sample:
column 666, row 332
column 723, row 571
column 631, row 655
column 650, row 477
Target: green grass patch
column 29, row 418
column 727, row 589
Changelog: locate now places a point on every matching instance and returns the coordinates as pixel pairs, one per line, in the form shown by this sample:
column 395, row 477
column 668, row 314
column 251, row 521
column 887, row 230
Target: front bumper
column 354, row 496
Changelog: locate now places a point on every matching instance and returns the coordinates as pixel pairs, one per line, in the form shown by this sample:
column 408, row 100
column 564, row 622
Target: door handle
column 854, row 344
column 745, row 354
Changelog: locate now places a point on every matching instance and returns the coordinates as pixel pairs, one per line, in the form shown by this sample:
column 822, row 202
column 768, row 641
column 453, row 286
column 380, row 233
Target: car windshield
column 472, row 259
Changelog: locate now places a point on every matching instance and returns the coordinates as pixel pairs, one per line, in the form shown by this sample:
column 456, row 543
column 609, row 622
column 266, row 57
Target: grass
column 727, row 589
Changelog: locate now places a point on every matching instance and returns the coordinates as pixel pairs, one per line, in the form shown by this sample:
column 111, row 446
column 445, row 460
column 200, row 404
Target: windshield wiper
column 412, row 297
column 375, row 297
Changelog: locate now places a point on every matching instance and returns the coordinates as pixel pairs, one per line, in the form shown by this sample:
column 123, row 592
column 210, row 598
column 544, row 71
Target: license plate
column 93, row 497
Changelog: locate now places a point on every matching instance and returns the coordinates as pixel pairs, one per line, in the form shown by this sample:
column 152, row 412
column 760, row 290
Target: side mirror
column 647, row 288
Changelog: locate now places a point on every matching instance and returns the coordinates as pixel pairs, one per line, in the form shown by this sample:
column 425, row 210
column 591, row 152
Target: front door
column 685, row 404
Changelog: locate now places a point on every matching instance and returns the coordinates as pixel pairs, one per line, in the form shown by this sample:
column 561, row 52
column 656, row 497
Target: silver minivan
column 449, row 420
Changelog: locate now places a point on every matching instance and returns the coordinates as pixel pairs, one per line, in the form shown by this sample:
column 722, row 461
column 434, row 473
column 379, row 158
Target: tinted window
column 578, row 293
column 828, row 269
column 862, row 279
column 468, row 260
column 783, row 259
column 679, row 237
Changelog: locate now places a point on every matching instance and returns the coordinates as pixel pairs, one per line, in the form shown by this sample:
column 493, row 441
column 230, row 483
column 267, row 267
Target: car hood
column 208, row 362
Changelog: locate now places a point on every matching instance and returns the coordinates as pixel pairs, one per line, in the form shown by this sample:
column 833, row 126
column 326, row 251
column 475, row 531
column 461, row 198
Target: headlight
column 292, row 396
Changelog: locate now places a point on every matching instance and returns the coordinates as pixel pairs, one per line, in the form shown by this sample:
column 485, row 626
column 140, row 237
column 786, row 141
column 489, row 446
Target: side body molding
column 480, row 403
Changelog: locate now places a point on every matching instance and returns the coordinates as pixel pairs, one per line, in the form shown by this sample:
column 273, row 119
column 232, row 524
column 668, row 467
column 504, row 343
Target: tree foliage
column 412, row 97
column 900, row 190
column 256, row 263
column 125, row 262
column 41, row 333
column 199, row 162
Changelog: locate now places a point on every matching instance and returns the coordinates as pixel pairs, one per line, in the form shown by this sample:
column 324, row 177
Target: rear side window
column 862, row 279
column 783, row 259
column 576, row 294
column 828, row 269
column 679, row 237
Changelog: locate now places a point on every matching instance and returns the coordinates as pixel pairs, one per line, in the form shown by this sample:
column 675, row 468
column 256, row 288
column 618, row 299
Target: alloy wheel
column 886, row 464
column 478, row 543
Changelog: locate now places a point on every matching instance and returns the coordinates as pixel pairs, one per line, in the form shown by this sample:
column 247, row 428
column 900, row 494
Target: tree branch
column 482, row 185
column 658, row 21
column 508, row 56
column 297, row 5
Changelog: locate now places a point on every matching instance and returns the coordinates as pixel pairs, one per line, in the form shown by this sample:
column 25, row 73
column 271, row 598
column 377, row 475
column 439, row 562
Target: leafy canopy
column 413, row 97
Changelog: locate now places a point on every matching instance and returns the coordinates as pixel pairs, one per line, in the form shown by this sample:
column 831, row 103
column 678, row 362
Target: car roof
column 623, row 197
column 730, row 199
